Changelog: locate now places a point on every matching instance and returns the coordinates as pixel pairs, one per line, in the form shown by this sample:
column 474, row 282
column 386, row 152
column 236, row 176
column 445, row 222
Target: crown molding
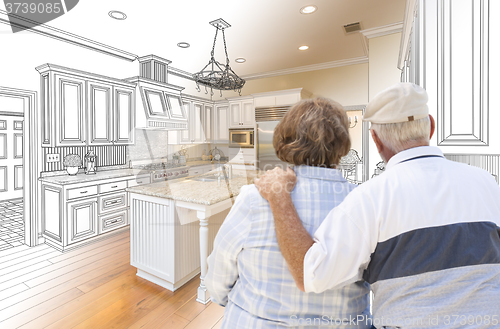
column 382, row 30
column 60, row 35
column 307, row 68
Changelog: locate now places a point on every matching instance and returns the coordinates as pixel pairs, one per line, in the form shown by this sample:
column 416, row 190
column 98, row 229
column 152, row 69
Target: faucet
column 229, row 169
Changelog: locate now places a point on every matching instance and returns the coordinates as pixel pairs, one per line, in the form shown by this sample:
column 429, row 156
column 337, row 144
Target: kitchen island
column 168, row 247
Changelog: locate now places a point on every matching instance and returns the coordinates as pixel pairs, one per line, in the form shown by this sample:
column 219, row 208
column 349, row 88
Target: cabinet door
column 52, row 212
column 185, row 134
column 70, row 108
column 197, row 124
column 100, row 113
column 82, row 220
column 234, row 115
column 221, row 132
column 209, row 109
column 247, row 114
column 124, row 114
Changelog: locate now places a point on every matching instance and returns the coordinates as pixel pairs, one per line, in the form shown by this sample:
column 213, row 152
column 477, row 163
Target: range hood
column 160, row 104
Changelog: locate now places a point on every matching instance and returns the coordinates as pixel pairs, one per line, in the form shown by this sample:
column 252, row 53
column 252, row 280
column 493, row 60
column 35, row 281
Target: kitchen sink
column 206, row 179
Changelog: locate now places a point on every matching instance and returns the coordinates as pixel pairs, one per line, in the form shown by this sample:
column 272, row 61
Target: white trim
column 31, row 163
column 382, row 30
column 410, row 11
column 278, row 92
column 307, row 68
column 180, row 73
column 64, row 36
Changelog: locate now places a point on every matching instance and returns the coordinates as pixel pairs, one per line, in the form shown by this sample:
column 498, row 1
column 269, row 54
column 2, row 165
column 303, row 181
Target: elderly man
column 424, row 234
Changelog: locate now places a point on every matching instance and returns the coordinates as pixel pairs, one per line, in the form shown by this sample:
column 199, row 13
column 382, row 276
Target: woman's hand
column 276, row 184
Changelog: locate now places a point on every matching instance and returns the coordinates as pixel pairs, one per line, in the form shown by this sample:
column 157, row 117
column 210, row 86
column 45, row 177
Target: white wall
column 383, row 72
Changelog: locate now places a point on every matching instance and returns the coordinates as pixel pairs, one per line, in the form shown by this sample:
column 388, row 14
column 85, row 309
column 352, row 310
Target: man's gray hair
column 404, row 135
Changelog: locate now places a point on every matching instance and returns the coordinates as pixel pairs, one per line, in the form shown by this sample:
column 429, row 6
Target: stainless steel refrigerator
column 266, row 156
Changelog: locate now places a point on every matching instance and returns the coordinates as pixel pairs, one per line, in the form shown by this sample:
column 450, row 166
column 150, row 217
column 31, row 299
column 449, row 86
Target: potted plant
column 72, row 162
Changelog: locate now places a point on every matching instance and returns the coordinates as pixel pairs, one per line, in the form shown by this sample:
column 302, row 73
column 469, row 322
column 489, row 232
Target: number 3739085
column 471, row 320
column 33, row 8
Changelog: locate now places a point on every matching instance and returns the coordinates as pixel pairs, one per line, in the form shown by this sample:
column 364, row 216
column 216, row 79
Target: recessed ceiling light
column 240, row 60
column 303, row 47
column 183, row 45
column 308, row 9
column 117, row 15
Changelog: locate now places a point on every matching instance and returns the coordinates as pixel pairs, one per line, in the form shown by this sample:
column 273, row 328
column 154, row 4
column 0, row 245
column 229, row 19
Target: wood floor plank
column 6, row 293
column 174, row 322
column 106, row 277
column 22, row 252
column 94, row 248
column 16, row 277
column 21, row 318
column 191, row 309
column 76, row 311
column 23, row 264
column 156, row 317
column 208, row 318
column 69, row 265
column 110, row 316
column 218, row 325
column 36, row 254
column 18, row 303
column 11, row 251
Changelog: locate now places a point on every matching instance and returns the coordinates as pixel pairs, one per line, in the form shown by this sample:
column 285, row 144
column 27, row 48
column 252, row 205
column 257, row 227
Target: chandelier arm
column 225, row 47
column 215, row 39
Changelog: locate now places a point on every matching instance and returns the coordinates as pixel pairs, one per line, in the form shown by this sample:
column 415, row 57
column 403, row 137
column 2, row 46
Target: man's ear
column 378, row 142
column 433, row 126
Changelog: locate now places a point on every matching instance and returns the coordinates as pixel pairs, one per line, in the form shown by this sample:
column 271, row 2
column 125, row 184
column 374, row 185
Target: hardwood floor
column 93, row 287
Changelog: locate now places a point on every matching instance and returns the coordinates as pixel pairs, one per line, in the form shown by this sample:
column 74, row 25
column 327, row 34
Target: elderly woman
column 246, row 271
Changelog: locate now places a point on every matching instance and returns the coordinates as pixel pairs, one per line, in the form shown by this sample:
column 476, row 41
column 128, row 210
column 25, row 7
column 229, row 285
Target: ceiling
column 267, row 33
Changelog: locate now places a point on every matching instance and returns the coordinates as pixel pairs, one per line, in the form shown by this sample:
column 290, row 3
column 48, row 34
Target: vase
column 72, row 170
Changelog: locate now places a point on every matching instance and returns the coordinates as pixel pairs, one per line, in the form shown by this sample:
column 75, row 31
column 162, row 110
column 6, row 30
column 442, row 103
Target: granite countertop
column 190, row 190
column 197, row 163
column 82, row 177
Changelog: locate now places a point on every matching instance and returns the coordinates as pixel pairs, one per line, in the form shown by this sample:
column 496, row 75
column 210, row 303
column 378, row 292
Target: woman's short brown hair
column 313, row 132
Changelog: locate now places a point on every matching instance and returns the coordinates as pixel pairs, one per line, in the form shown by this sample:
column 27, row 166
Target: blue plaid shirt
column 248, row 275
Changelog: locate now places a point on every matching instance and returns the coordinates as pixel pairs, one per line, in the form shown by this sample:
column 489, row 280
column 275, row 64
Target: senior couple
column 302, row 248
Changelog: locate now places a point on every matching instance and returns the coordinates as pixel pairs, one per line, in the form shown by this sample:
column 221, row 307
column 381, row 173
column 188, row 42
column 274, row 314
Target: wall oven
column 241, row 138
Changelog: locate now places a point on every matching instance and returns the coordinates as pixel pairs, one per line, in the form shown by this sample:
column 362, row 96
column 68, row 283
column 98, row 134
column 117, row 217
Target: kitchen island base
column 166, row 240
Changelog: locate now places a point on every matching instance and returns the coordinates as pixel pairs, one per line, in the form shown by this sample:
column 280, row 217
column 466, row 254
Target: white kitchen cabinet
column 198, row 170
column 80, row 108
column 221, row 120
column 196, row 123
column 241, row 113
column 185, row 135
column 124, row 115
column 74, row 214
column 242, row 155
column 208, row 122
column 100, row 112
column 70, row 109
column 82, row 220
column 279, row 98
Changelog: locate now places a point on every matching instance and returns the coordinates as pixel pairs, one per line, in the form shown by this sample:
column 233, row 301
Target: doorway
column 11, row 172
column 18, row 168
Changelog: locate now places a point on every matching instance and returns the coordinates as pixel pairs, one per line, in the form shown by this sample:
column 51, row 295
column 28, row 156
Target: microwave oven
column 241, row 138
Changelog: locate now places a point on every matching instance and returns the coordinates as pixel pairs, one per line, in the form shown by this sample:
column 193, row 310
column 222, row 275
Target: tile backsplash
column 149, row 145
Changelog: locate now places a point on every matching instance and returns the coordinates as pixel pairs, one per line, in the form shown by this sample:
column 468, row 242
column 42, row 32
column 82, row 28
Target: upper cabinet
column 199, row 114
column 241, row 112
column 279, row 98
column 80, row 108
column 221, row 123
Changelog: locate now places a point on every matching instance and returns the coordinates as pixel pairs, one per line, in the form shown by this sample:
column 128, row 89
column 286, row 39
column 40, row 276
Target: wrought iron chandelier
column 216, row 75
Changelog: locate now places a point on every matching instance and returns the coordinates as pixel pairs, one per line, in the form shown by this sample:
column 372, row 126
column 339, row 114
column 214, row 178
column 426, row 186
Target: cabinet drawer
column 82, row 192
column 113, row 221
column 112, row 201
column 109, row 187
column 139, row 181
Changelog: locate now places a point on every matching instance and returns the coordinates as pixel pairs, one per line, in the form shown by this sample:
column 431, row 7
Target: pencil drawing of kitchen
column 128, row 128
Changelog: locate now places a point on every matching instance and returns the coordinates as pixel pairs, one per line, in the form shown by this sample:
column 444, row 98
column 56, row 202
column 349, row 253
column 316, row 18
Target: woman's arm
column 222, row 263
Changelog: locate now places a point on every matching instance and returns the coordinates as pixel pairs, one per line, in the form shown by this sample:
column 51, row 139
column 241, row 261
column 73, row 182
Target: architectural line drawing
column 169, row 160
